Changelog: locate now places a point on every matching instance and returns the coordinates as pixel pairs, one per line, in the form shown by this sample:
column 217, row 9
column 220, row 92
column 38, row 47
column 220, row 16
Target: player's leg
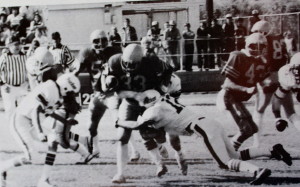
column 179, row 156
column 152, row 138
column 241, row 116
column 9, row 95
column 127, row 111
column 288, row 106
column 20, row 129
column 213, row 136
column 97, row 109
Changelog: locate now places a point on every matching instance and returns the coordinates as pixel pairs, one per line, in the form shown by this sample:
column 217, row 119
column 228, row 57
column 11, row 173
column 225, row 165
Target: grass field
column 202, row 169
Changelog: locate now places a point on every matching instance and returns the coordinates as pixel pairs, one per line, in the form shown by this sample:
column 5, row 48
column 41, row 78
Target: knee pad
column 234, row 164
column 150, row 144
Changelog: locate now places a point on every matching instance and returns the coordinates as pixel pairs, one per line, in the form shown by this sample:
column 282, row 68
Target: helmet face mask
column 100, row 43
column 295, row 69
column 131, row 57
column 129, row 65
column 256, row 44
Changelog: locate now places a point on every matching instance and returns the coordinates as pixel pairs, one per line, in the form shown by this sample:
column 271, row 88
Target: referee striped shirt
column 62, row 55
column 13, row 69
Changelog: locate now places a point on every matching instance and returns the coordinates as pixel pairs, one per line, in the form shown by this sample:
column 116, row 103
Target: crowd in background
column 210, row 44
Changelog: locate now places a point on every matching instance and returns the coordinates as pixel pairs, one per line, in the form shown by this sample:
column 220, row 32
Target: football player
column 166, row 112
column 26, row 123
column 277, row 57
column 94, row 59
column 289, row 79
column 135, row 74
column 243, row 70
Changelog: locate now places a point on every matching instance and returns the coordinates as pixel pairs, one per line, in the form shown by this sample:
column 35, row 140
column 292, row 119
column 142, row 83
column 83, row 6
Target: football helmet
column 262, row 27
column 149, row 98
column 44, row 58
column 256, row 44
column 68, row 82
column 99, row 39
column 295, row 66
column 131, row 58
column 154, row 23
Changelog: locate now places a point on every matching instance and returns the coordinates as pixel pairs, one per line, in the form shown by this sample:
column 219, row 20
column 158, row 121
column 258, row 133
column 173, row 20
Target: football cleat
column 85, row 160
column 118, row 179
column 181, row 163
column 135, row 156
column 44, row 183
column 280, row 153
column 3, row 179
column 161, row 170
column 260, row 175
column 281, row 124
column 163, row 152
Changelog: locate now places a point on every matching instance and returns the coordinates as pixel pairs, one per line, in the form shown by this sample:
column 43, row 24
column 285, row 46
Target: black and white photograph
column 140, row 93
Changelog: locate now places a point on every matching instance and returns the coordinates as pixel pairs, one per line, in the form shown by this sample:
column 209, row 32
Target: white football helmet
column 99, row 39
column 68, row 82
column 149, row 98
column 262, row 27
column 295, row 66
column 256, row 44
column 43, row 57
column 131, row 58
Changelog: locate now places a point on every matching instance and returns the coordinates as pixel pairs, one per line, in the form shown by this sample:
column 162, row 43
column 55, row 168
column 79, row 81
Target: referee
column 13, row 78
column 61, row 53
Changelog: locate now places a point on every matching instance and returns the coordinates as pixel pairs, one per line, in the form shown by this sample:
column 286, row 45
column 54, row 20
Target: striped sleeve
column 231, row 68
column 2, row 64
column 67, row 56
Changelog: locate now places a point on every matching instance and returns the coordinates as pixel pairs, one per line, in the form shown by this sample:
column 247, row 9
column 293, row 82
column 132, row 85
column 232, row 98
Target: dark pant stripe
column 210, row 148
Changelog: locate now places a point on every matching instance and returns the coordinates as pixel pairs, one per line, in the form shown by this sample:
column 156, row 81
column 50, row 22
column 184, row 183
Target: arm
column 229, row 84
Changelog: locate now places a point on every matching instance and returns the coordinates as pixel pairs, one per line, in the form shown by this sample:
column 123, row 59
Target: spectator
column 4, row 34
column 188, row 36
column 2, row 21
column 202, row 45
column 240, row 34
column 35, row 24
column 229, row 42
column 24, row 24
column 253, row 19
column 129, row 33
column 13, row 20
column 154, row 35
column 115, row 39
column 172, row 37
column 215, row 44
column 28, row 11
column 61, row 53
column 34, row 44
column 13, row 80
column 290, row 43
column 40, row 35
column 146, row 45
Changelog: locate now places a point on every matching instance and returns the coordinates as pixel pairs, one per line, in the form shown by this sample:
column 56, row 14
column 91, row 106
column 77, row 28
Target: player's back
column 172, row 116
column 277, row 52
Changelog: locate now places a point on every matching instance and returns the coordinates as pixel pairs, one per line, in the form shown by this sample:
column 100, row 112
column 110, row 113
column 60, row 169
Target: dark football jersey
column 148, row 75
column 244, row 70
column 277, row 53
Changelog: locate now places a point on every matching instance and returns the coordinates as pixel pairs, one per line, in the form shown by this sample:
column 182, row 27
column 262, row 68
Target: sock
column 295, row 119
column 77, row 138
column 122, row 157
column 49, row 161
column 238, row 165
column 81, row 150
column 155, row 156
column 251, row 153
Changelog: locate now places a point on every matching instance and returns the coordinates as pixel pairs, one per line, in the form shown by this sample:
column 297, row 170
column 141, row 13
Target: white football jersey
column 45, row 94
column 286, row 78
column 170, row 115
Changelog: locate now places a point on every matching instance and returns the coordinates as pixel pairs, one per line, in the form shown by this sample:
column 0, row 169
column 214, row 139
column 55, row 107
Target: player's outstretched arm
column 230, row 84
